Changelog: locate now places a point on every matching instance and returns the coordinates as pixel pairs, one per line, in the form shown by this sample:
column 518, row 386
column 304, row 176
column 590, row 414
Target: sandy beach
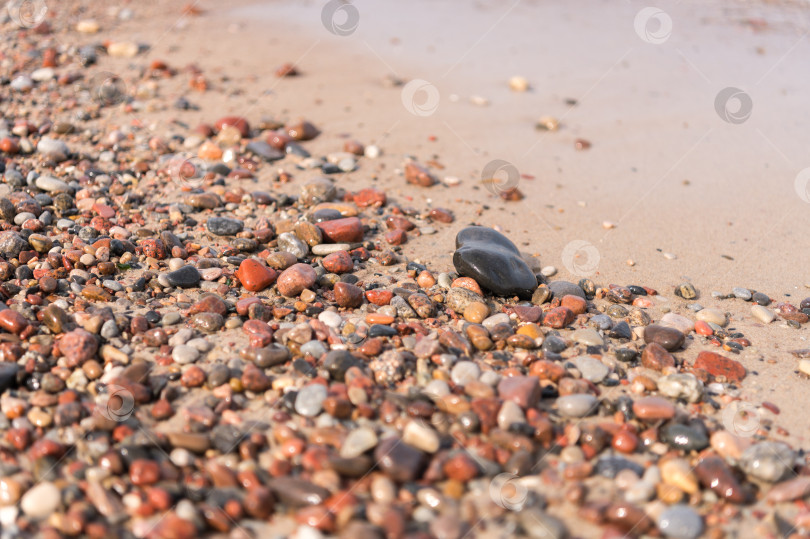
column 281, row 376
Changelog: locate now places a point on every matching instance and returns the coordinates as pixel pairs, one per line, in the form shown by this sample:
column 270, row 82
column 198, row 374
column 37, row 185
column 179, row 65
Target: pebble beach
column 317, row 269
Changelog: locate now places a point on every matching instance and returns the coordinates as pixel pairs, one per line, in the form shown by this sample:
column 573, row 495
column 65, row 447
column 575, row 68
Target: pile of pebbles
column 184, row 353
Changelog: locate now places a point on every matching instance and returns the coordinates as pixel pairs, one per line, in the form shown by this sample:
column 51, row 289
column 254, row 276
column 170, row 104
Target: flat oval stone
column 684, row 437
column 591, row 368
column 223, row 226
column 41, row 500
column 309, row 401
column 713, row 316
column 588, row 337
column 493, row 261
column 669, row 338
column 184, row 277
column 357, row 442
column 680, row 522
column 717, row 365
column 763, row 314
column 768, row 461
column 653, row 408
column 560, row 289
column 681, row 323
column 578, row 405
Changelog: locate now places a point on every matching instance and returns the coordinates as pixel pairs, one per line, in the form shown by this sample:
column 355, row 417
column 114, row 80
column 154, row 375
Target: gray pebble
column 680, row 522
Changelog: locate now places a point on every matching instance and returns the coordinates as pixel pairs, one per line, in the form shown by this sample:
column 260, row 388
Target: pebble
column 309, row 401
column 681, row 386
column 768, row 461
column 560, row 289
column 53, row 149
column 591, row 368
column 421, row 437
column 464, row 372
column 254, row 275
column 493, row 261
column 680, row 522
column 184, row 354
column 184, row 277
column 41, row 500
column 588, row 337
column 357, row 442
column 223, row 226
column 290, row 243
column 713, row 316
column 717, row 365
column 667, row 337
column 681, row 323
column 579, row 405
column 296, row 279
column 763, row 314
column 742, row 293
column 52, row 185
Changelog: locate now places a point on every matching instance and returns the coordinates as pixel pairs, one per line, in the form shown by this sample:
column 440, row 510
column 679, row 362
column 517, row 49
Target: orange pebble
column 642, row 302
column 468, row 283
column 377, row 318
column 210, row 151
column 702, row 328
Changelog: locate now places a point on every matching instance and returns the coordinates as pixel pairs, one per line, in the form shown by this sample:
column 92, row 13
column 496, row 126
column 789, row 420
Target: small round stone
column 680, row 522
column 309, row 401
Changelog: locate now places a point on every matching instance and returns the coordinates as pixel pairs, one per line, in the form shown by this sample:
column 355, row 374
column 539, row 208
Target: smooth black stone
column 684, row 437
column 379, row 330
column 264, row 150
column 330, row 168
column 494, row 262
column 398, row 460
column 8, row 376
column 220, row 168
column 293, row 148
column 223, row 226
column 609, row 466
column 271, row 356
column 565, row 288
column 626, row 354
column 554, row 344
column 637, row 290
column 226, row 438
column 761, row 299
column 337, row 362
column 621, row 331
column 185, row 277
column 153, row 317
column 297, row 492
